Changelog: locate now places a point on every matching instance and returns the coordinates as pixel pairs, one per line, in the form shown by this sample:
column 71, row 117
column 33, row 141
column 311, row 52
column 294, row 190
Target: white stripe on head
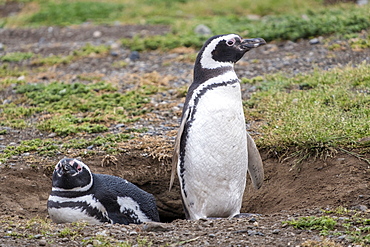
column 207, row 62
column 83, row 188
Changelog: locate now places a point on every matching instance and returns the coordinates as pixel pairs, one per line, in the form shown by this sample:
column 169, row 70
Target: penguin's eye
column 230, row 42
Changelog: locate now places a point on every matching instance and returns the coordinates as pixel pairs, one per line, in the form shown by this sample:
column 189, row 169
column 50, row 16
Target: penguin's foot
column 246, row 215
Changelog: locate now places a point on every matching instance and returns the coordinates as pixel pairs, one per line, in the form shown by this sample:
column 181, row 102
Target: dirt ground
column 290, row 190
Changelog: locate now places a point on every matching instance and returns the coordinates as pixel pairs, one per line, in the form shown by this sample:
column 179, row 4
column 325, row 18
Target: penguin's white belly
column 216, row 158
column 73, row 214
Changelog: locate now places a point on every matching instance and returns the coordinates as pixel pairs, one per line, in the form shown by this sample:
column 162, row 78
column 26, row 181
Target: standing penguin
column 77, row 194
column 213, row 151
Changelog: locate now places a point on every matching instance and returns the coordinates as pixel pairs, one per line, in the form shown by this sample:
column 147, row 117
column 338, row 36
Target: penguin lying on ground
column 79, row 195
column 213, row 151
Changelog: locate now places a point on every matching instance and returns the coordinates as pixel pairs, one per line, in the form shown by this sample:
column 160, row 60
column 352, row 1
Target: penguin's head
column 72, row 174
column 225, row 50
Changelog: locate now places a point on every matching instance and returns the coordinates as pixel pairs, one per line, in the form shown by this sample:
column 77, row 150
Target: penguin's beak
column 252, row 43
column 67, row 168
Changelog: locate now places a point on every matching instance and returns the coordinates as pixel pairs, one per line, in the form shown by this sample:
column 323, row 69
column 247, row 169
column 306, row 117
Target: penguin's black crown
column 72, row 174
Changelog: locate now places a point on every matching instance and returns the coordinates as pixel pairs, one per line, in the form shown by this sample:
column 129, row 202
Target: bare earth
column 289, row 190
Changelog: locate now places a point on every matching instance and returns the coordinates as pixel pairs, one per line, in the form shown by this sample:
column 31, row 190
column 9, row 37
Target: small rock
column 37, row 236
column 115, row 46
column 42, row 242
column 131, row 233
column 90, row 147
column 96, row 242
column 275, row 231
column 342, row 237
column 253, row 233
column 1, row 46
column 341, row 160
column 114, row 53
column 289, row 45
column 97, row 34
column 102, row 233
column 119, row 125
column 362, row 208
column 155, row 227
column 134, row 56
column 21, row 78
column 202, row 29
column 52, row 135
column 315, row 41
column 7, row 101
column 211, row 235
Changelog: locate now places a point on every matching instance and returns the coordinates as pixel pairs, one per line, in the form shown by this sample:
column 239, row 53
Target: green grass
column 67, row 13
column 72, row 108
column 354, row 225
column 85, row 51
column 322, row 224
column 278, row 20
column 16, row 56
column 313, row 113
column 51, row 146
column 290, row 26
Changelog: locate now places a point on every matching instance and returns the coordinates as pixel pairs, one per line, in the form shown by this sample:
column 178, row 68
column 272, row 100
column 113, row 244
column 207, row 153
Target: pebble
column 362, row 208
column 253, row 233
column 97, row 34
column 42, row 242
column 96, row 242
column 315, row 41
column 115, row 46
column 7, row 101
column 121, row 125
column 1, row 46
column 275, row 231
column 102, row 233
column 134, row 56
column 155, row 227
column 202, row 29
column 52, row 135
column 114, row 53
column 341, row 160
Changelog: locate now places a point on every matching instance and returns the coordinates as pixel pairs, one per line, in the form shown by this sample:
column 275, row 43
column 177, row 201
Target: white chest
column 75, row 213
column 216, row 158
